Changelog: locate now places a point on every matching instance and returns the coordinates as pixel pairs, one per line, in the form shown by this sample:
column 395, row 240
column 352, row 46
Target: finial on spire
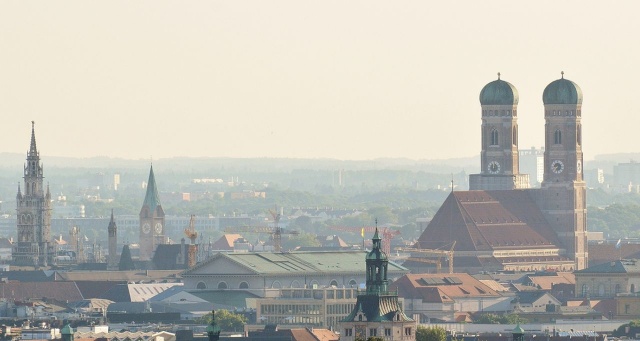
column 451, row 182
column 498, row 75
column 562, row 74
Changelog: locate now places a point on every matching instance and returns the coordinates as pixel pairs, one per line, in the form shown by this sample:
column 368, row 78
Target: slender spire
column 498, row 75
column 562, row 74
column 33, row 149
column 152, row 199
column 112, row 223
column 19, row 195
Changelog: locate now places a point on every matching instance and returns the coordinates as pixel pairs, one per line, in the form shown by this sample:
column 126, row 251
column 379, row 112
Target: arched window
column 601, row 290
column 222, row 285
column 557, row 137
column 353, row 283
column 201, row 285
column 494, row 137
column 585, row 290
column 333, row 283
column 243, row 285
column 515, row 136
column 295, row 284
column 276, row 285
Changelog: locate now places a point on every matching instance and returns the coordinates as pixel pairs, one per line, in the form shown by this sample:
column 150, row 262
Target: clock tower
column 499, row 141
column 151, row 220
column 563, row 193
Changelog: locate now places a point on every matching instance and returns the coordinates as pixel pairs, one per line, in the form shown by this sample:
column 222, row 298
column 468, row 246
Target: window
column 353, row 283
column 515, row 136
column 201, row 285
column 585, row 290
column 373, row 332
column 222, row 285
column 557, row 137
column 494, row 137
column 244, row 285
column 348, row 332
column 633, row 288
column 617, row 288
column 333, row 283
column 387, row 332
column 407, row 331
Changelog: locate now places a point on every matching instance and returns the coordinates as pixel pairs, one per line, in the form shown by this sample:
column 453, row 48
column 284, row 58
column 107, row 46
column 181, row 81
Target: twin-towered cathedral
column 500, row 223
column 34, row 246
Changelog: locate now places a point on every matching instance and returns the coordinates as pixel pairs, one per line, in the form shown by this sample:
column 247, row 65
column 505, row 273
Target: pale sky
column 320, row 79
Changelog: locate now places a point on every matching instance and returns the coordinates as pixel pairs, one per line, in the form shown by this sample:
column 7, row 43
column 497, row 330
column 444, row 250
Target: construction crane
column 437, row 252
column 276, row 231
column 387, row 234
column 193, row 248
column 190, row 231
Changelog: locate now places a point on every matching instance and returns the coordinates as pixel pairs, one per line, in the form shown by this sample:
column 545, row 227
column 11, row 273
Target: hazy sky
column 336, row 79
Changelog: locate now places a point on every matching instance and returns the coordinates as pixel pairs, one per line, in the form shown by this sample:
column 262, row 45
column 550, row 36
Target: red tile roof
column 225, row 242
column 489, row 220
column 439, row 288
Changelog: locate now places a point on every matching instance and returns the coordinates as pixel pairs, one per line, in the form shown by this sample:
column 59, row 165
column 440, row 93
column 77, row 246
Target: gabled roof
column 225, row 243
column 489, row 220
column 58, row 291
column 623, row 266
column 529, row 297
column 546, row 282
column 294, row 262
column 438, row 288
column 136, row 292
column 126, row 276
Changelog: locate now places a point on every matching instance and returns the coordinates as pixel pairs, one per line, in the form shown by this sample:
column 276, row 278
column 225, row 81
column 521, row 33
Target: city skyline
column 299, row 80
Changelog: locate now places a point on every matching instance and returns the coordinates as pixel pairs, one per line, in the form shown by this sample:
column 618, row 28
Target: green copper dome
column 499, row 92
column 518, row 330
column 562, row 91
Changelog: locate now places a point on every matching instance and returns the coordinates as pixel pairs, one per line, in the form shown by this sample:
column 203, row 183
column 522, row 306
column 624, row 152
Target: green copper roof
column 623, row 266
column 499, row 92
column 152, row 199
column 518, row 330
column 66, row 330
column 562, row 91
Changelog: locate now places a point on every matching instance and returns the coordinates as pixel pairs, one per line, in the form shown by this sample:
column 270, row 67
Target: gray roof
column 267, row 263
column 619, row 266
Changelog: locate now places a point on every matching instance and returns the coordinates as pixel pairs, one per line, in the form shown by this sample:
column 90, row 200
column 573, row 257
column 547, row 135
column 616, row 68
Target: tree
column 499, row 319
column 226, row 320
column 430, row 334
column 375, row 338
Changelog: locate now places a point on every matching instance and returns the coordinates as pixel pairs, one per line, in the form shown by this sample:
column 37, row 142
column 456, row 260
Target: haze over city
column 345, row 80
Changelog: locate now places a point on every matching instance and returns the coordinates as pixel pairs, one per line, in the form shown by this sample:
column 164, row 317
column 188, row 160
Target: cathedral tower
column 499, row 141
column 151, row 220
column 563, row 193
column 33, row 213
column 112, row 263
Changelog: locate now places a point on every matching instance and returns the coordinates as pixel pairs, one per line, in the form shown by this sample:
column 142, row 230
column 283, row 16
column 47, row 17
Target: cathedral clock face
column 146, row 228
column 557, row 166
column 579, row 167
column 494, row 167
column 158, row 228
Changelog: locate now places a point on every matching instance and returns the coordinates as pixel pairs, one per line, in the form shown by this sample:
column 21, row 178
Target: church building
column 500, row 223
column 34, row 246
column 151, row 220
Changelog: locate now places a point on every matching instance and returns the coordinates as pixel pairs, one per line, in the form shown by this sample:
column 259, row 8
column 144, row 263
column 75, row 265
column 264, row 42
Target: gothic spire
column 152, row 199
column 19, row 195
column 33, row 150
column 112, row 223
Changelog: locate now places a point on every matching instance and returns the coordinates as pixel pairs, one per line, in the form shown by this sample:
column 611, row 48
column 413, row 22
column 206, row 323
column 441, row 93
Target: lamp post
column 213, row 330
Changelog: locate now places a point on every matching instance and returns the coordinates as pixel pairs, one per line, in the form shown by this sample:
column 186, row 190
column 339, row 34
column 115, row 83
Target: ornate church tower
column 377, row 311
column 33, row 213
column 563, row 193
column 112, row 263
column 151, row 220
column 499, row 142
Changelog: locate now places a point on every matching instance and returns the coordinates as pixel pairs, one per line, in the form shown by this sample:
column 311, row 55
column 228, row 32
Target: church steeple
column 377, row 264
column 33, row 150
column 151, row 199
